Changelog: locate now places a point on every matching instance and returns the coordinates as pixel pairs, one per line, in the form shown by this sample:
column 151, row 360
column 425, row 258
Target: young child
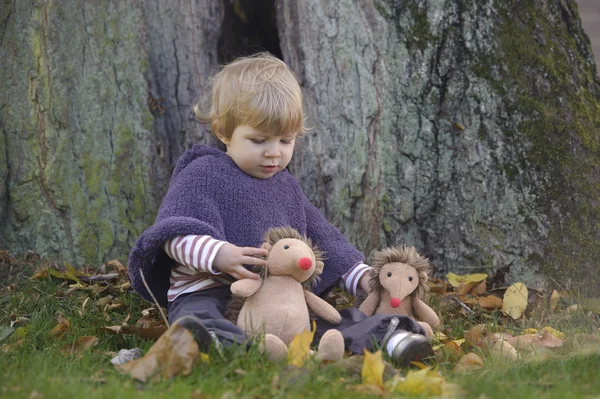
column 219, row 206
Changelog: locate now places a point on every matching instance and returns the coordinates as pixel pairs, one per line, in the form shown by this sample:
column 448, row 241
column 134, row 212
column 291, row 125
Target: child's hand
column 231, row 259
column 363, row 283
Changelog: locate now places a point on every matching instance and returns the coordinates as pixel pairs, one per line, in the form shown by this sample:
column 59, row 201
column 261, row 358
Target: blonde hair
column 259, row 91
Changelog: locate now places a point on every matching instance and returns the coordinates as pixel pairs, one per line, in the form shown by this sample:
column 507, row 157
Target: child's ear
column 216, row 128
column 319, row 267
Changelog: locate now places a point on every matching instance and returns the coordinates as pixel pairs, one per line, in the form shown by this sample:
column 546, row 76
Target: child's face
column 258, row 154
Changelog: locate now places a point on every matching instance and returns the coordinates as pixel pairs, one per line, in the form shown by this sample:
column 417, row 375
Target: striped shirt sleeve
column 196, row 252
column 349, row 281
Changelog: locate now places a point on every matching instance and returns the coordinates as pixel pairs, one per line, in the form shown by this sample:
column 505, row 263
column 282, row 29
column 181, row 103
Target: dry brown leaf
column 480, row 289
column 174, row 353
column 62, row 327
column 452, row 351
column 474, row 336
column 489, row 302
column 531, row 342
column 118, row 267
column 466, row 288
column 10, row 347
column 499, row 348
column 372, row 370
column 515, row 300
column 469, row 362
column 80, row 345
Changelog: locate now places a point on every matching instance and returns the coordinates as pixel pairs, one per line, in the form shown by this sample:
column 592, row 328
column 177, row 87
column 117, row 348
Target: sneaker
column 404, row 347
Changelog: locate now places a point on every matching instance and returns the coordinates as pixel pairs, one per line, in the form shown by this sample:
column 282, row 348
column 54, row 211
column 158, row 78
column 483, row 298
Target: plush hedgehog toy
column 278, row 304
column 398, row 282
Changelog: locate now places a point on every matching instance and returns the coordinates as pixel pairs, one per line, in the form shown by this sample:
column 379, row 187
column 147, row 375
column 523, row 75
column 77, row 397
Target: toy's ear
column 423, row 277
column 319, row 267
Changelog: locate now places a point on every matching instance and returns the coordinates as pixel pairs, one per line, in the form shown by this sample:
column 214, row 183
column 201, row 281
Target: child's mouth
column 269, row 169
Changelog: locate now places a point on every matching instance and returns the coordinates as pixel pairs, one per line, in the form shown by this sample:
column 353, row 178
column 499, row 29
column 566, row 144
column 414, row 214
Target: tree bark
column 96, row 104
column 466, row 128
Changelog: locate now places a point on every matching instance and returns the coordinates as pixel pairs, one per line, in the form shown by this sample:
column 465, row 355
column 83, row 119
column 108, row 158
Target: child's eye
column 257, row 141
column 287, row 141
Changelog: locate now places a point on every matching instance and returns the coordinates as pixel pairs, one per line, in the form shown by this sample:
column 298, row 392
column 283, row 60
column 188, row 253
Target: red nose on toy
column 305, row 263
column 394, row 302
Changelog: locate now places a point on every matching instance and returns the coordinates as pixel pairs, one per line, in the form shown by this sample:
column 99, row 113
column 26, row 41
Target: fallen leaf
column 424, row 381
column 118, row 267
column 469, row 362
column 489, row 302
column 452, row 351
column 499, row 348
column 80, row 345
column 10, row 347
column 174, row 353
column 299, row 348
column 456, row 280
column 62, row 327
column 515, row 300
column 532, row 342
column 554, row 298
column 553, row 332
column 5, row 332
column 372, row 370
column 474, row 337
column 480, row 289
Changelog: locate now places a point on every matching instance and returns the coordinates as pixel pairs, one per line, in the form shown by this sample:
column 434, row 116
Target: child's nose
column 273, row 150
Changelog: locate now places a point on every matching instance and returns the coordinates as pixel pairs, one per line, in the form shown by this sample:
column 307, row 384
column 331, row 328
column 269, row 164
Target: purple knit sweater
column 210, row 195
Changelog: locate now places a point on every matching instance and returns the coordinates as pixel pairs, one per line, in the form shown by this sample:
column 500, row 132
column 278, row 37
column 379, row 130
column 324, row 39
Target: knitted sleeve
column 340, row 255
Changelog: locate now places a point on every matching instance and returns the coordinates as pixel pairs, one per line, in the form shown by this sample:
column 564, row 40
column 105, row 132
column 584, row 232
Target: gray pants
column 358, row 330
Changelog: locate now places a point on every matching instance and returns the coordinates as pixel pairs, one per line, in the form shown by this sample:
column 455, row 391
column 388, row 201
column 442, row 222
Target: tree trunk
column 466, row 128
column 96, row 104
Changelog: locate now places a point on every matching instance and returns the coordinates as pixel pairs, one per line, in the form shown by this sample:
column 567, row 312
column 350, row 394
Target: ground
column 49, row 312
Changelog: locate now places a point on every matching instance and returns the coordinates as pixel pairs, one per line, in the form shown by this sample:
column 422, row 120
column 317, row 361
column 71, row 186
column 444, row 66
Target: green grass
column 38, row 365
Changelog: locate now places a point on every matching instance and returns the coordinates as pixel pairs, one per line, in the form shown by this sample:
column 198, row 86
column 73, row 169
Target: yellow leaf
column 299, row 348
column 424, row 381
column 530, row 331
column 553, row 332
column 372, row 371
column 515, row 300
column 456, row 281
column 553, row 301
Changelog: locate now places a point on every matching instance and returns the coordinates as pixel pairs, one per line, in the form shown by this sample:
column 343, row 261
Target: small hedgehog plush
column 278, row 304
column 398, row 283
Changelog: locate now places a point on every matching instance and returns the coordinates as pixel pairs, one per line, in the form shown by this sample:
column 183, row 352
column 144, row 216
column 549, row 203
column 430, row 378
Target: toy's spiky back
column 400, row 254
